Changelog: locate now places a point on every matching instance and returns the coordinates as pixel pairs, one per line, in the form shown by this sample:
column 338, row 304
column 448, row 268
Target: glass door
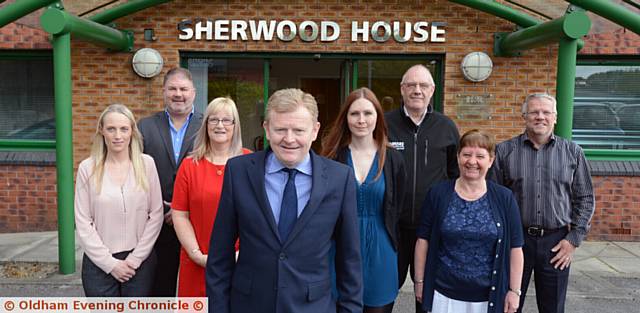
column 250, row 78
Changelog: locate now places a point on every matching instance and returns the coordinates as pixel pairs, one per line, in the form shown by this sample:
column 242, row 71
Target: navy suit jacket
column 290, row 276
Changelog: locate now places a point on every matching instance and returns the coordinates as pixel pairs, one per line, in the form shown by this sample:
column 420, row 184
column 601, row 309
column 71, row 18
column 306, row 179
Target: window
column 606, row 111
column 384, row 77
column 328, row 77
column 26, row 98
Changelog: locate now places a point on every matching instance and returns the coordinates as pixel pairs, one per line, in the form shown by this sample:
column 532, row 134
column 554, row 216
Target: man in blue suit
column 287, row 206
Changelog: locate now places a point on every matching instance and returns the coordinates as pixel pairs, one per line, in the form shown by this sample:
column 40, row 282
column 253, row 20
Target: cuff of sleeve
column 574, row 238
column 108, row 264
column 134, row 261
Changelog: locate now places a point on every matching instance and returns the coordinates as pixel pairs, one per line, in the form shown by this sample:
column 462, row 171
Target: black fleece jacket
column 430, row 156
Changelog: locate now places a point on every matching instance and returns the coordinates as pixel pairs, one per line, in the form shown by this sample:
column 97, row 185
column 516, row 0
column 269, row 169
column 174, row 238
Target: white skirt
column 442, row 304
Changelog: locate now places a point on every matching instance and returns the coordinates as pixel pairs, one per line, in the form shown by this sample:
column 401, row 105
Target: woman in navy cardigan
column 469, row 250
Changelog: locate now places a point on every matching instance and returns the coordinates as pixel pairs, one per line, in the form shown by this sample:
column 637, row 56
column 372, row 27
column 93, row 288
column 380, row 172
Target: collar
column 273, row 165
column 193, row 110
column 524, row 138
column 424, row 114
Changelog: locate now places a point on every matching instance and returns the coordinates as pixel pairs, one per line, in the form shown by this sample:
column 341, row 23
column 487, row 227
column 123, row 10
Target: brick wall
column 27, row 198
column 617, row 215
column 101, row 77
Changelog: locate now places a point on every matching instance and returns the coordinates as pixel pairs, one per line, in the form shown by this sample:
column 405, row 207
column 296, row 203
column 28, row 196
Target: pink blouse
column 118, row 218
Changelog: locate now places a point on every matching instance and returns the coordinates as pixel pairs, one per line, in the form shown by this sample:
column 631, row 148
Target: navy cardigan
column 507, row 216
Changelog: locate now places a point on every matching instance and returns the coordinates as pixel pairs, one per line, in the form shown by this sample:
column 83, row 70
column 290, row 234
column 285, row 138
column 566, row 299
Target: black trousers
column 551, row 284
column 97, row 283
column 406, row 249
column 168, row 250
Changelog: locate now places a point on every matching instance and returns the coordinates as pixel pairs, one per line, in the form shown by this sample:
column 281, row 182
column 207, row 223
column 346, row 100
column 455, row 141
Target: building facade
column 247, row 50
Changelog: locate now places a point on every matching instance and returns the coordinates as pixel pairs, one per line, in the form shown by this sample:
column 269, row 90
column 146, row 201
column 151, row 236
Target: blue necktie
column 289, row 207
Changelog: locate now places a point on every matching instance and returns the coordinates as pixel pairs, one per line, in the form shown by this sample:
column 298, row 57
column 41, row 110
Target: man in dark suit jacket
column 284, row 260
column 168, row 137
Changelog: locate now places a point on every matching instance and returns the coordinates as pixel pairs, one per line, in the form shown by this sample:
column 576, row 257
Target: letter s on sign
column 186, row 30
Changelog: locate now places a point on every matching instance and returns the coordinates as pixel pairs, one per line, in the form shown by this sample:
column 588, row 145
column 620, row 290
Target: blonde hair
column 99, row 148
column 288, row 100
column 202, row 145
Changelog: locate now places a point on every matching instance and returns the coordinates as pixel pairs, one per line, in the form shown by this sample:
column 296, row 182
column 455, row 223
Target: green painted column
column 611, row 11
column 64, row 152
column 20, row 8
column 56, row 22
column 572, row 26
column 565, row 86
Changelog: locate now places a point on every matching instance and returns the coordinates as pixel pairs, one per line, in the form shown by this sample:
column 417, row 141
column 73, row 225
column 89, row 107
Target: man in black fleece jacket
column 428, row 140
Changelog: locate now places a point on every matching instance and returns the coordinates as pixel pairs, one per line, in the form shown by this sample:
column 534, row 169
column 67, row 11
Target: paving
column 605, row 276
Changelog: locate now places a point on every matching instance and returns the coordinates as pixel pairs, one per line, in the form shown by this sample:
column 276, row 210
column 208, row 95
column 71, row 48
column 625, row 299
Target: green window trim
column 610, row 154
column 27, row 144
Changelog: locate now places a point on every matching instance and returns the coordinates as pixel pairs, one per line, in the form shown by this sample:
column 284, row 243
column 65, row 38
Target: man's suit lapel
column 319, row 187
column 162, row 122
column 255, row 173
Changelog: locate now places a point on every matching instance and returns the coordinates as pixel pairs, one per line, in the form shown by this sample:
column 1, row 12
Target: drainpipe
column 64, row 152
column 18, row 9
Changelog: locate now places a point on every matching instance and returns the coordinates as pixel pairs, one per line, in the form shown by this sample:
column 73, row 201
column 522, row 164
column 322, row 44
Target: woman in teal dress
column 358, row 138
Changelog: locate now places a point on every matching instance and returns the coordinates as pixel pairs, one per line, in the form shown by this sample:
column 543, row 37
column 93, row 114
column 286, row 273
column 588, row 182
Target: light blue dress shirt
column 275, row 180
column 177, row 135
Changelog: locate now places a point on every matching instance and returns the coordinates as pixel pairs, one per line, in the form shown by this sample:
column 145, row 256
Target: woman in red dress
column 197, row 191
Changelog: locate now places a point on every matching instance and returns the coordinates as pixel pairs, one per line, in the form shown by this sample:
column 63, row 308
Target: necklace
column 219, row 169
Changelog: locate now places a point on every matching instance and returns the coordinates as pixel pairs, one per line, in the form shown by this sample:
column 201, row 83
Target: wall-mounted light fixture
column 476, row 66
column 147, row 62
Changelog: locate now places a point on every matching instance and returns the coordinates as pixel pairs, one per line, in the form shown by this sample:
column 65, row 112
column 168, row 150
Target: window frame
column 27, row 144
column 609, row 154
column 350, row 80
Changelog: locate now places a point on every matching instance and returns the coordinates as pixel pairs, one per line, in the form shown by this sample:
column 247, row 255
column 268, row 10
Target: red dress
column 197, row 190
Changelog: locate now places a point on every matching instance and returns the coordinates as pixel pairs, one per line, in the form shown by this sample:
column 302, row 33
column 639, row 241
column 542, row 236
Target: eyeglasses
column 422, row 86
column 225, row 121
column 538, row 113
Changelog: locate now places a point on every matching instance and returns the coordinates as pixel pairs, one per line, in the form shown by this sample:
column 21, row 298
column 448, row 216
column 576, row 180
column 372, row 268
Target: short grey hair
column 525, row 104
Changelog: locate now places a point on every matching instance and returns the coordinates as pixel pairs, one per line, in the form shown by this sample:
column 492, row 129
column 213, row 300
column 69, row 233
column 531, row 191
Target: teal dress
column 379, row 259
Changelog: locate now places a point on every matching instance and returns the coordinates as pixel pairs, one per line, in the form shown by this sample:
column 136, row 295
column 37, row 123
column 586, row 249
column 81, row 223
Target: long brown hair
column 338, row 136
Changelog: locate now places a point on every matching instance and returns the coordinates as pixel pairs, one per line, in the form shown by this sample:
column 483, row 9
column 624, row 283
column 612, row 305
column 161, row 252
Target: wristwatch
column 516, row 291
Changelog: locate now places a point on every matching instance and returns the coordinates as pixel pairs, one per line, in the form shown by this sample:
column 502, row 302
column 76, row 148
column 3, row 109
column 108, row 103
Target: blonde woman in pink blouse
column 118, row 209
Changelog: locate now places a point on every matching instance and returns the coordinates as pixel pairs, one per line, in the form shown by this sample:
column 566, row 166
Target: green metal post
column 56, row 22
column 130, row 7
column 572, row 26
column 64, row 152
column 565, row 86
column 611, row 11
column 18, row 9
